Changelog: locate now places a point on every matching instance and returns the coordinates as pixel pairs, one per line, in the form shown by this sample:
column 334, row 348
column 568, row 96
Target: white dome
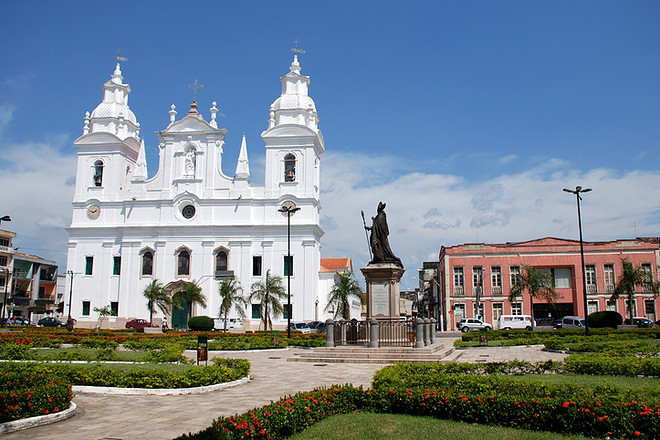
column 293, row 102
column 114, row 110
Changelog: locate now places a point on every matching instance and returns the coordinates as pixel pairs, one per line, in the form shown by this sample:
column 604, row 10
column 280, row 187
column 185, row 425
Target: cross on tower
column 196, row 85
column 295, row 48
column 119, row 57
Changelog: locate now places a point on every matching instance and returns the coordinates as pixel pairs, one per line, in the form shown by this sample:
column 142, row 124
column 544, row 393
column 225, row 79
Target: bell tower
column 293, row 140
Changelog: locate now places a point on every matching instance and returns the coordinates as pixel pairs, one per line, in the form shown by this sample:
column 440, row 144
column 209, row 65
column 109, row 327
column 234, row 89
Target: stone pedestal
column 383, row 289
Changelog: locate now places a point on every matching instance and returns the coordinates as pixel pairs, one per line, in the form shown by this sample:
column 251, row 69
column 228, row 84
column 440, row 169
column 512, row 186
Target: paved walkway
column 111, row 417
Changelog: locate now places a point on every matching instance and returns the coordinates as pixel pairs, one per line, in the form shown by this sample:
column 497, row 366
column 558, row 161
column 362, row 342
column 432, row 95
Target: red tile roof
column 336, row 265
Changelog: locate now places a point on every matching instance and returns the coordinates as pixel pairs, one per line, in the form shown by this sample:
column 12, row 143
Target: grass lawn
column 368, row 426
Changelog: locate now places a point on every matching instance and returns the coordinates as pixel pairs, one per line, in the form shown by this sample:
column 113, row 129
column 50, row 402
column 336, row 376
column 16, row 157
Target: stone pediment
column 547, row 241
column 191, row 124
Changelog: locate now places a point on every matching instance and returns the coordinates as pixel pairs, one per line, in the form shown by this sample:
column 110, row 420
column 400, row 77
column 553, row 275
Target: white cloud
column 6, row 115
column 427, row 211
column 37, row 196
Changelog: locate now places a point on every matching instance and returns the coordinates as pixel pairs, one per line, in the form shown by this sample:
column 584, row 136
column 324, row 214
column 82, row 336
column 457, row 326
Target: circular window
column 188, row 211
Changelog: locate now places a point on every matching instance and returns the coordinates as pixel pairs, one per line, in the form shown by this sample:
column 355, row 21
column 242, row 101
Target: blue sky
column 466, row 118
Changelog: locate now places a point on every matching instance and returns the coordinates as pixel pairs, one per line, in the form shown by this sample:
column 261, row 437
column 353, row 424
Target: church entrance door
column 180, row 317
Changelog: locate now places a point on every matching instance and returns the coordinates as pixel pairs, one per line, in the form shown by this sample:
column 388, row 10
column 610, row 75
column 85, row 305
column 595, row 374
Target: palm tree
column 344, row 288
column 231, row 295
column 189, row 293
column 538, row 283
column 268, row 295
column 156, row 297
column 630, row 278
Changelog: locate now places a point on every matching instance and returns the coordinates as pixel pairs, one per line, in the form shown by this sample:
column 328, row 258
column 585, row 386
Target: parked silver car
column 465, row 325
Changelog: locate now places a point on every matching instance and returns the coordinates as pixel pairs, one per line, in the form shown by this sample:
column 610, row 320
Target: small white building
column 330, row 268
column 190, row 221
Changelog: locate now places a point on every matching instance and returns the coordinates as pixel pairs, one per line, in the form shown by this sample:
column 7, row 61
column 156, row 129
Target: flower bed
column 26, row 394
column 55, row 337
column 296, row 413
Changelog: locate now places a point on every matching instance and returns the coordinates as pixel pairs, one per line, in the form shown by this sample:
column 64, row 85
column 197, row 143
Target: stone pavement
column 113, row 417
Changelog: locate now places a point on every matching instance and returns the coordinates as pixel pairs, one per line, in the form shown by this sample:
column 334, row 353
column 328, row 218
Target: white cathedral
column 190, row 221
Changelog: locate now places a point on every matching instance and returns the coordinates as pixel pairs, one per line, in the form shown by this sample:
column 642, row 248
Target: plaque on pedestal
column 383, row 289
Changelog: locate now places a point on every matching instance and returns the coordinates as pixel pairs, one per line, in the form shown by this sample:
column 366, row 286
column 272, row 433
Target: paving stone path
column 110, row 417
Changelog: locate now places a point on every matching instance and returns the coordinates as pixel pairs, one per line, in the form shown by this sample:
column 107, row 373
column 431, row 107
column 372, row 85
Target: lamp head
column 5, row 218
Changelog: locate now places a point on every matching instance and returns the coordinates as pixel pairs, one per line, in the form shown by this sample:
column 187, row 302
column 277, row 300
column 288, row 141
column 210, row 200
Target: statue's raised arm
column 380, row 245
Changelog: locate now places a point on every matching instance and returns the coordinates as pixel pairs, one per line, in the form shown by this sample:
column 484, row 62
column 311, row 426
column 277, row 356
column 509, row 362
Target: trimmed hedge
column 296, row 413
column 600, row 364
column 200, row 323
column 223, row 370
column 26, row 394
column 605, row 319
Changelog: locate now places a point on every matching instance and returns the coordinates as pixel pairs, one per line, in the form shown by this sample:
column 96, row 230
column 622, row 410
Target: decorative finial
column 172, row 113
column 214, row 110
column 196, row 85
column 119, row 57
column 86, row 127
column 295, row 48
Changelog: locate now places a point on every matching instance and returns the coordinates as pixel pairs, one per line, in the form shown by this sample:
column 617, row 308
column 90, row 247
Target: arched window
column 221, row 261
column 98, row 173
column 147, row 263
column 289, row 168
column 183, row 263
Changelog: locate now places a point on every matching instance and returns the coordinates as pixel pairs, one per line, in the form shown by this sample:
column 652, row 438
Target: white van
column 512, row 322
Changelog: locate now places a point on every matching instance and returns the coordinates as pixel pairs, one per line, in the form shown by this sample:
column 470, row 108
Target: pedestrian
column 165, row 323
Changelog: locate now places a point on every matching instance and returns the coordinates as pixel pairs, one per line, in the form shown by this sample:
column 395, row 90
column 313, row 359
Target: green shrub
column 200, row 323
column 106, row 354
column 15, row 352
column 222, row 370
column 603, row 319
column 600, row 364
column 170, row 352
column 99, row 343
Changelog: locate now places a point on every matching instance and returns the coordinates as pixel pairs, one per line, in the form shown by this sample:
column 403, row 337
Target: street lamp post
column 578, row 190
column 70, row 272
column 4, row 302
column 288, row 209
column 4, row 218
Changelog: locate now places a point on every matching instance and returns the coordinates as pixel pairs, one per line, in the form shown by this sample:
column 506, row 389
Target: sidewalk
column 114, row 417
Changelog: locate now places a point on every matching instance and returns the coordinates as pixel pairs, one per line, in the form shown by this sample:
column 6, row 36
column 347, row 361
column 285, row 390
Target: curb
column 31, row 422
column 85, row 389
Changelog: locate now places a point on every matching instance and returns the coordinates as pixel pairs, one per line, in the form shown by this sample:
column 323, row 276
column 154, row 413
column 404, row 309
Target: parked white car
column 465, row 325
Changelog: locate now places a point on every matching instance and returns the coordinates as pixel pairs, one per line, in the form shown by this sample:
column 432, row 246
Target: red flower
column 637, row 433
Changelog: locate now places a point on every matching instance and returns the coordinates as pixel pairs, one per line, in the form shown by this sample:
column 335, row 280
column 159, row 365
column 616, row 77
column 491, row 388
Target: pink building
column 483, row 272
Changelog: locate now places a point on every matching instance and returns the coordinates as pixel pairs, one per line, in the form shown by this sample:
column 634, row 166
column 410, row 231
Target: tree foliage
column 538, row 284
column 231, row 295
column 342, row 291
column 268, row 294
column 157, row 298
column 629, row 279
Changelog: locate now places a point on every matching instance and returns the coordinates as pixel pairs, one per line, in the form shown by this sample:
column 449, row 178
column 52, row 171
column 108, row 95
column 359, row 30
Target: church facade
column 190, row 222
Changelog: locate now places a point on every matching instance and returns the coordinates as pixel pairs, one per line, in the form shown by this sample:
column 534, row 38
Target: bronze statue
column 379, row 243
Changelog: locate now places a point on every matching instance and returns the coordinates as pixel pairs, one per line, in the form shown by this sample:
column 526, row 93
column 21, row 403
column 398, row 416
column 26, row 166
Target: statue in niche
column 379, row 243
column 190, row 163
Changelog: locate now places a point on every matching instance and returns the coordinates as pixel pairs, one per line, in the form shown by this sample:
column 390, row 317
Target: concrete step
column 374, row 355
